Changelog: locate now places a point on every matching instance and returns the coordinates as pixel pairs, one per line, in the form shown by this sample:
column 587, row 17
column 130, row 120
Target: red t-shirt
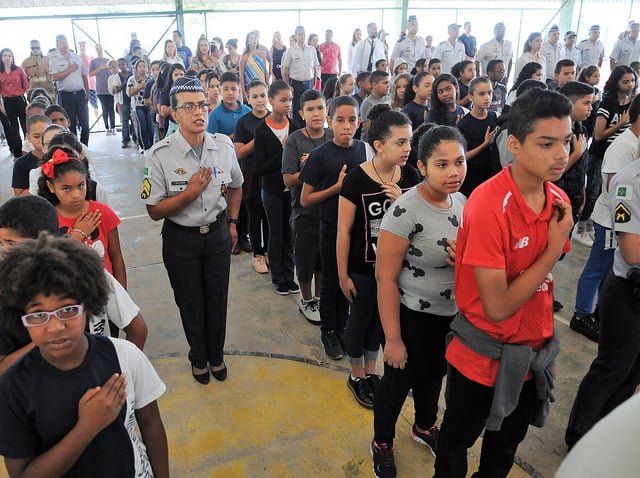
column 330, row 54
column 499, row 230
column 99, row 240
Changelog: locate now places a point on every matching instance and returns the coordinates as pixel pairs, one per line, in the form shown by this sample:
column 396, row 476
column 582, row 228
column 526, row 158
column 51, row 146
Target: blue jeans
column 595, row 270
column 277, row 206
column 145, row 126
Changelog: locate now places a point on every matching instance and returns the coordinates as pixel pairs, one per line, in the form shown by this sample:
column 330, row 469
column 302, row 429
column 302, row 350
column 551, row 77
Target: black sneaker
column 281, row 288
column 361, row 391
column 340, row 333
column 383, row 463
column 596, row 314
column 374, row 382
column 331, row 345
column 587, row 326
column 293, row 287
column 557, row 305
column 245, row 244
column 427, row 438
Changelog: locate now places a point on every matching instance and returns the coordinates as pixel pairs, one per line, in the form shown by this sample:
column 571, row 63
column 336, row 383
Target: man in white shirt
column 70, row 75
column 626, row 49
column 450, row 51
column 552, row 51
column 570, row 50
column 300, row 67
column 367, row 52
column 410, row 47
column 591, row 49
column 495, row 49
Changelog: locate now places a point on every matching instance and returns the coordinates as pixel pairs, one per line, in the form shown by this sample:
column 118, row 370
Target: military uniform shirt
column 73, row 81
column 572, row 54
column 494, row 50
column 624, row 52
column 301, row 62
column 590, row 53
column 449, row 54
column 170, row 165
column 625, row 210
column 410, row 50
column 552, row 54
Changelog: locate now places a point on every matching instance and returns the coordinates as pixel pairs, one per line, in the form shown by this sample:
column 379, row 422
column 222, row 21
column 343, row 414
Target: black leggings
column 424, row 337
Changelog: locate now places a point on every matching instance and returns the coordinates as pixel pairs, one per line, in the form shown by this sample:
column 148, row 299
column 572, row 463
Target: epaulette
column 160, row 144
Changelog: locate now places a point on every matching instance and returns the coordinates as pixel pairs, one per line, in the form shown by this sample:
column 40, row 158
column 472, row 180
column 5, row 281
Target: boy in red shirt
column 514, row 228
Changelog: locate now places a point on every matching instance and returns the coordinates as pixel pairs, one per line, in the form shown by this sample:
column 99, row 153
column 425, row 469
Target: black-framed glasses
column 202, row 106
column 35, row 47
column 68, row 312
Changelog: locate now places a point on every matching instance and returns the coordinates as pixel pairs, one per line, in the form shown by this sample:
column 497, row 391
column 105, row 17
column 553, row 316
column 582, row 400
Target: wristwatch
column 233, row 221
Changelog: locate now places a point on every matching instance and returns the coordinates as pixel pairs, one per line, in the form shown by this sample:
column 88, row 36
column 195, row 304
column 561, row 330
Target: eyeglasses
column 191, row 106
column 497, row 71
column 35, row 47
column 68, row 312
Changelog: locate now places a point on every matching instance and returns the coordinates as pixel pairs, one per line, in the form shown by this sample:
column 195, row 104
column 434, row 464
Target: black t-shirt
column 21, row 168
column 573, row 179
column 416, row 113
column 611, row 111
column 371, row 204
column 479, row 167
column 12, row 340
column 464, row 91
column 126, row 99
column 244, row 133
column 49, row 400
column 322, row 169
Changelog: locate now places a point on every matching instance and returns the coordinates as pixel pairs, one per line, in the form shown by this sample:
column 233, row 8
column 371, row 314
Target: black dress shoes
column 221, row 374
column 202, row 378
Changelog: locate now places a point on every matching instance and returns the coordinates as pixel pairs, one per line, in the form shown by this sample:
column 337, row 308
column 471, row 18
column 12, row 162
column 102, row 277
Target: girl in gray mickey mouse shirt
column 414, row 271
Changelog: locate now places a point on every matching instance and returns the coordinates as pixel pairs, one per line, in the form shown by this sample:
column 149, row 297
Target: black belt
column 298, row 81
column 204, row 229
column 73, row 92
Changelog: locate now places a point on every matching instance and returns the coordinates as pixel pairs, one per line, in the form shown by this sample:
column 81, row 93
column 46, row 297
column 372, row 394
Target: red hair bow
column 58, row 157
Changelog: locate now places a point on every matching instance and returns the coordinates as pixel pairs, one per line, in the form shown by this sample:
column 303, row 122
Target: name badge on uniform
column 178, row 185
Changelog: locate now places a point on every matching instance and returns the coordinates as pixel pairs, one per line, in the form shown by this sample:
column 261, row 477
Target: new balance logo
column 522, row 243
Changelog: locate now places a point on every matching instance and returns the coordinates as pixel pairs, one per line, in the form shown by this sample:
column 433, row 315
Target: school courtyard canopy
column 111, row 22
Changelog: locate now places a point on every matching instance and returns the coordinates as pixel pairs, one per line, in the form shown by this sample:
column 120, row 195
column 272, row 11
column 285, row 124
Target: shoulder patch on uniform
column 146, row 188
column 624, row 192
column 623, row 214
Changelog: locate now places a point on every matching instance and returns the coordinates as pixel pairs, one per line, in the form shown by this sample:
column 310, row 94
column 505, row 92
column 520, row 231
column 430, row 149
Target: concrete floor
column 284, row 411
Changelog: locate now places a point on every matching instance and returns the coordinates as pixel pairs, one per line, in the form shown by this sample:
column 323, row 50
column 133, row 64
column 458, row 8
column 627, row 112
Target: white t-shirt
column 623, row 150
column 120, row 310
column 610, row 448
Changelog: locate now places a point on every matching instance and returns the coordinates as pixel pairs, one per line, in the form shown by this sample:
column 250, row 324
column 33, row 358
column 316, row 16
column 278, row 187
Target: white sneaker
column 260, row 264
column 584, row 239
column 310, row 311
